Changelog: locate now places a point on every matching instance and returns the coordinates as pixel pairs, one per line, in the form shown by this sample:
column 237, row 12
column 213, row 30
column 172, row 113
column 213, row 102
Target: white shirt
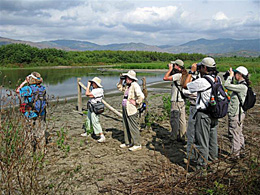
column 98, row 94
column 191, row 96
column 175, row 94
column 203, row 89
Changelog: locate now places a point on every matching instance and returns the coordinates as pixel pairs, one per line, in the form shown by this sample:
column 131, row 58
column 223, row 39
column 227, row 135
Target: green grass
column 223, row 64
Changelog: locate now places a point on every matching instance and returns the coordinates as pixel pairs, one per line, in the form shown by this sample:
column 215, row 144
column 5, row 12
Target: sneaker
column 135, row 148
column 102, row 139
column 124, row 146
column 84, row 134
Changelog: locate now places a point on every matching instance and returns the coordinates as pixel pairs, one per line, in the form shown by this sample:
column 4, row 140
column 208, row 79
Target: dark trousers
column 206, row 138
column 131, row 128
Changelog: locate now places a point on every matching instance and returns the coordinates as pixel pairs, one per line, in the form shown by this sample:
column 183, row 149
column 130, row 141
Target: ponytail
column 248, row 82
column 184, row 74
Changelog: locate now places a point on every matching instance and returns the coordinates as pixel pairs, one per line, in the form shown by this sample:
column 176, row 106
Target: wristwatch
column 190, row 72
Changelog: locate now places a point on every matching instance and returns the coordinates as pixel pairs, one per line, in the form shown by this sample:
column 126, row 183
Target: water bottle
column 212, row 101
column 226, row 91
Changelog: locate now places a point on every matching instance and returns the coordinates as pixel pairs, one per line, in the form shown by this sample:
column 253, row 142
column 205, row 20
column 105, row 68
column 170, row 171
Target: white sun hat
column 97, row 81
column 131, row 74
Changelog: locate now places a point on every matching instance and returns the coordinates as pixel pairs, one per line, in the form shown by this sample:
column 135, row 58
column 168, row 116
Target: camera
column 225, row 76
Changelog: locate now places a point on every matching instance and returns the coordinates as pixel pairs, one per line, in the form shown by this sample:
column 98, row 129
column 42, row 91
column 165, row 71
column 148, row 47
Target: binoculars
column 122, row 77
column 225, row 76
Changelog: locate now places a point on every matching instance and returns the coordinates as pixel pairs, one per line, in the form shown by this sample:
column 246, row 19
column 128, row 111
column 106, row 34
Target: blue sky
column 164, row 22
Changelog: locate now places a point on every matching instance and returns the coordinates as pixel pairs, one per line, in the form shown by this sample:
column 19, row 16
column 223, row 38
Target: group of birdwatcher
column 201, row 86
column 209, row 101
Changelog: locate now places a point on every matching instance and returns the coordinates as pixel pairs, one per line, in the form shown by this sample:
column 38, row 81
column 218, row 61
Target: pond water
column 63, row 82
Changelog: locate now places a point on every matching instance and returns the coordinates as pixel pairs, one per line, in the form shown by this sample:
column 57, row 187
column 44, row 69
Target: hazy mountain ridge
column 225, row 47
column 217, row 46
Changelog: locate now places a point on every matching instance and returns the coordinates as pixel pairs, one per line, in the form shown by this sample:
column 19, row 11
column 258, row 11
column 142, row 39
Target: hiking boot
column 84, row 134
column 102, row 139
column 124, row 146
column 135, row 148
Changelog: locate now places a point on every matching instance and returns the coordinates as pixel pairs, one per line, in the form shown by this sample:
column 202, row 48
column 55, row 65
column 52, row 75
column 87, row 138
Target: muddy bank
column 99, row 164
column 89, row 167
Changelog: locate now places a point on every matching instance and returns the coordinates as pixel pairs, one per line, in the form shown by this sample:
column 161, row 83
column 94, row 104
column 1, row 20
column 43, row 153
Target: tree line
column 22, row 55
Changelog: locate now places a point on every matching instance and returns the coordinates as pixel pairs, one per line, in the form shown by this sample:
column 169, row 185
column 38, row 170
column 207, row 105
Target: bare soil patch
column 93, row 168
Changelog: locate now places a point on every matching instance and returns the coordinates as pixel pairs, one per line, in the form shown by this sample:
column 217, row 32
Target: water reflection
column 63, row 82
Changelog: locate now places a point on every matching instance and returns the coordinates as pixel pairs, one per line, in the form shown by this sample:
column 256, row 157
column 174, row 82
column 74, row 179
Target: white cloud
column 220, row 16
column 150, row 15
column 117, row 21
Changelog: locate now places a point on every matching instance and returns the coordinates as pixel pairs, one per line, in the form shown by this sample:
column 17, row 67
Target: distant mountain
column 6, row 41
column 85, row 45
column 72, row 45
column 217, row 47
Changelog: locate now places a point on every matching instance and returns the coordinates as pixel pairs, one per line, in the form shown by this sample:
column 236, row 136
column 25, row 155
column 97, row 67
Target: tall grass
column 20, row 164
column 23, row 156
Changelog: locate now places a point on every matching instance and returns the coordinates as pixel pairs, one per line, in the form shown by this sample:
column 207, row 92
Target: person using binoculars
column 177, row 116
column 133, row 98
column 205, row 125
column 236, row 114
column 95, row 92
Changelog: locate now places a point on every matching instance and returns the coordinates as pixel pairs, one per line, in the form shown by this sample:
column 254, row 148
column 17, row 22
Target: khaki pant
column 178, row 120
column 235, row 133
column 93, row 119
column 131, row 128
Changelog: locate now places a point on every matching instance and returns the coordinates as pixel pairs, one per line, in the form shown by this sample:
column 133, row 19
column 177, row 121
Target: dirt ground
column 89, row 167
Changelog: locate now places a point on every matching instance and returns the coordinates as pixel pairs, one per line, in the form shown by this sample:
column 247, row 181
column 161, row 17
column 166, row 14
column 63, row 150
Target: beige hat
column 35, row 78
column 208, row 61
column 131, row 74
column 97, row 81
column 178, row 62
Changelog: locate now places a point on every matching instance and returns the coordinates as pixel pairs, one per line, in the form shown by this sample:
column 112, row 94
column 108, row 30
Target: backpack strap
column 211, row 83
column 182, row 94
column 240, row 101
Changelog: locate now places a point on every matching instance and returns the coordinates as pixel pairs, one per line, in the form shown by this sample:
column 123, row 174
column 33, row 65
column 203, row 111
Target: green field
column 223, row 64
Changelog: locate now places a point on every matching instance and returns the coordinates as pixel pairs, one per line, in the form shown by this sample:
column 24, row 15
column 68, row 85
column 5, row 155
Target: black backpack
column 250, row 99
column 218, row 105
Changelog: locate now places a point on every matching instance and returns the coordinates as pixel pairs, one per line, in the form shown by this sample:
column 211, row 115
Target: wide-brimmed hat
column 178, row 62
column 97, row 81
column 208, row 61
column 241, row 69
column 131, row 74
column 35, row 78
